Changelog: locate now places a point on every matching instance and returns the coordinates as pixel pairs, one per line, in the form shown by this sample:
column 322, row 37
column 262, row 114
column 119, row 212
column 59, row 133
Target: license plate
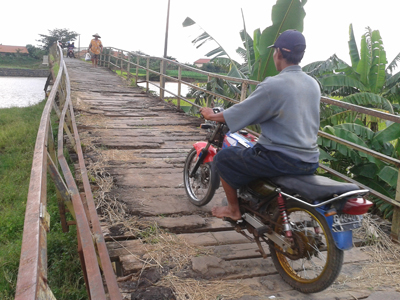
column 346, row 222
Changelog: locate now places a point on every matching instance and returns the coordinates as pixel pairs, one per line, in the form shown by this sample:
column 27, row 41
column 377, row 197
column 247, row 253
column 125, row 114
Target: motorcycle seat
column 312, row 187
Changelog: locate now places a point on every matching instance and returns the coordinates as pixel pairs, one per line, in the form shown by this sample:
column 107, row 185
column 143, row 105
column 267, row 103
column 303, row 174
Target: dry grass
column 87, row 118
column 165, row 249
column 193, row 289
column 383, row 268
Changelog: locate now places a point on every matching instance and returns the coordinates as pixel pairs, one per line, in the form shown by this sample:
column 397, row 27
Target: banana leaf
column 248, row 44
column 323, row 155
column 369, row 99
column 389, row 175
column 340, row 80
column 341, row 117
column 369, row 170
column 393, row 64
column 217, row 52
column 393, row 81
column 377, row 73
column 364, row 64
column 351, row 137
column 390, row 133
column 355, row 58
column 256, row 41
column 376, row 185
column 361, row 131
column 286, row 14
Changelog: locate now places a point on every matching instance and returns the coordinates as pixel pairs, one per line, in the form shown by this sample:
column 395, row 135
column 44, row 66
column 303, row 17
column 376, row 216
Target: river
column 21, row 91
column 27, row 91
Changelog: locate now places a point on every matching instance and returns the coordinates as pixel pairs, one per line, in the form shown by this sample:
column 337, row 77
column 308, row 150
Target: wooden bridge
column 160, row 245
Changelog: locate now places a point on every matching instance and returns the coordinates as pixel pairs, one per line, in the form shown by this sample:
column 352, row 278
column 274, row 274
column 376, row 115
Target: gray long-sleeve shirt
column 287, row 108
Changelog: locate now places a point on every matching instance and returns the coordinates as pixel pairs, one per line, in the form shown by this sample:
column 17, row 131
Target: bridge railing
column 114, row 58
column 49, row 157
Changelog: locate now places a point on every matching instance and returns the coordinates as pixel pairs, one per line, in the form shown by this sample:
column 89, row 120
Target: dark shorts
column 238, row 166
column 95, row 56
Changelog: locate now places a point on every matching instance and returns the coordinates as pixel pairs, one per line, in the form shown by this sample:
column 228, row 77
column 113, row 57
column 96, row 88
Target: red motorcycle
column 306, row 220
column 70, row 52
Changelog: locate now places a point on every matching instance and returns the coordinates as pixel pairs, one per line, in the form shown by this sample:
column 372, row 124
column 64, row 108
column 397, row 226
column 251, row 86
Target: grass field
column 18, row 133
column 22, row 62
column 174, row 73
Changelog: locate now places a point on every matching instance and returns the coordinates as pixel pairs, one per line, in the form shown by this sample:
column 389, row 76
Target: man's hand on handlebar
column 209, row 114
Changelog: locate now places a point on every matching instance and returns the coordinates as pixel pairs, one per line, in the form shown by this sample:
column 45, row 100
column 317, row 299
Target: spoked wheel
column 201, row 187
column 315, row 262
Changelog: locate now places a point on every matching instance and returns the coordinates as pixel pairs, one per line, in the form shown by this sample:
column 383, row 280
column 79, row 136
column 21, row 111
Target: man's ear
column 279, row 53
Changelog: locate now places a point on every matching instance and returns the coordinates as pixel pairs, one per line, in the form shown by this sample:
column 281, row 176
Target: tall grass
column 18, row 131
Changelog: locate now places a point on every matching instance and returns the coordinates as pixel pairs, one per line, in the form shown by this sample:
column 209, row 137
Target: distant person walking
column 96, row 47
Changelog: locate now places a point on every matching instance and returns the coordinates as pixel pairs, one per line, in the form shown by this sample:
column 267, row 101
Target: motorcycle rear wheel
column 318, row 261
column 200, row 188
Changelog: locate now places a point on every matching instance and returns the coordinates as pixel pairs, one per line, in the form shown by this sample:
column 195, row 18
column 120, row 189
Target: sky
column 141, row 25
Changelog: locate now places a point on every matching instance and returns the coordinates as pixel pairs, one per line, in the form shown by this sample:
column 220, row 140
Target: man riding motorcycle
column 287, row 108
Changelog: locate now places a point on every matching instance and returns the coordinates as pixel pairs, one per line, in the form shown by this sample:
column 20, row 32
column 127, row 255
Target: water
column 170, row 86
column 21, row 91
column 27, row 91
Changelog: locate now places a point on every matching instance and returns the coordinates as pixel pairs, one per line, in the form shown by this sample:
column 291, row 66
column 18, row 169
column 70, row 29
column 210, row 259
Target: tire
column 201, row 188
column 318, row 261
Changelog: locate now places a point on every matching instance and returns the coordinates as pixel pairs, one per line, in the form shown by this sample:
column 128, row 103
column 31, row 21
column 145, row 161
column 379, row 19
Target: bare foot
column 226, row 211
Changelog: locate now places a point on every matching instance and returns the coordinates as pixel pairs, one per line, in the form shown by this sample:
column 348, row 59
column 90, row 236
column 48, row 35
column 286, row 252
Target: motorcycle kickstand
column 239, row 230
column 260, row 248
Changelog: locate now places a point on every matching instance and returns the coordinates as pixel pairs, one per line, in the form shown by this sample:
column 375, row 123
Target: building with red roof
column 7, row 50
column 200, row 62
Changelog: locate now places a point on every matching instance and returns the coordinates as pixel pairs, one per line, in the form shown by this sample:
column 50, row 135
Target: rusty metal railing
column 49, row 156
column 114, row 58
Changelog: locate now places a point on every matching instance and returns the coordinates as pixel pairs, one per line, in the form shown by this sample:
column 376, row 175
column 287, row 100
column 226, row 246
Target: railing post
column 109, row 57
column 179, row 86
column 122, row 62
column 162, row 65
column 395, row 230
column 137, row 69
column 147, row 74
column 128, row 67
column 244, row 91
column 209, row 96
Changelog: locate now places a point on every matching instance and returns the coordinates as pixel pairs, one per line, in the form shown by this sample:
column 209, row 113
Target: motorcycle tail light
column 357, row 206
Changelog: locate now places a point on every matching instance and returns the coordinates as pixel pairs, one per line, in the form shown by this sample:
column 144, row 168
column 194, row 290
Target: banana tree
column 366, row 81
column 285, row 14
column 362, row 167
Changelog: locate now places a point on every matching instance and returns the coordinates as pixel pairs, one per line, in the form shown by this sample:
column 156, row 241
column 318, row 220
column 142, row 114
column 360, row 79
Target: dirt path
column 137, row 145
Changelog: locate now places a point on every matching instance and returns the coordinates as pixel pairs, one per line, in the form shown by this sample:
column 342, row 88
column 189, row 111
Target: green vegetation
column 366, row 82
column 173, row 73
column 18, row 61
column 286, row 14
column 18, row 133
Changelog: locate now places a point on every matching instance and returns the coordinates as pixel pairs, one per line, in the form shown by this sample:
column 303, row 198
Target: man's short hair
column 292, row 57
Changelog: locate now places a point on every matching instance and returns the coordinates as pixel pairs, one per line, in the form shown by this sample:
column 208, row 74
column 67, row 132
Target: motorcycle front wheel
column 316, row 261
column 201, row 187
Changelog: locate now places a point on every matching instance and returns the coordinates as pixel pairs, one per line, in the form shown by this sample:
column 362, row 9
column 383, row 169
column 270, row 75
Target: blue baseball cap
column 290, row 41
